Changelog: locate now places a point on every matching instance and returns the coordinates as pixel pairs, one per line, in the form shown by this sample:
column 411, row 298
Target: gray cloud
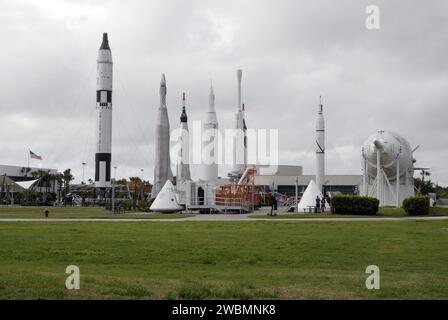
column 291, row 52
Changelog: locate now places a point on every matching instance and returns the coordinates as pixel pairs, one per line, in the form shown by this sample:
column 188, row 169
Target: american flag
column 35, row 156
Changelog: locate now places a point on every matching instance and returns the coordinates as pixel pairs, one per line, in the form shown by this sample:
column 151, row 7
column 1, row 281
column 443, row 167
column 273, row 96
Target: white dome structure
column 166, row 201
column 388, row 168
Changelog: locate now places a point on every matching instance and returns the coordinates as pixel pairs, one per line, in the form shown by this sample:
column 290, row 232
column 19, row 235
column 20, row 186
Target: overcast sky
column 395, row 78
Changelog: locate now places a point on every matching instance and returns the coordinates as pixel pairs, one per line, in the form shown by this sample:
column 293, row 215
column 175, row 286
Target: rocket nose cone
column 163, row 80
column 105, row 43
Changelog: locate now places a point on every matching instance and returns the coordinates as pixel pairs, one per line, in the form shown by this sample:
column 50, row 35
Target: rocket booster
column 210, row 145
column 183, row 163
column 162, row 163
column 103, row 153
column 240, row 148
column 320, row 148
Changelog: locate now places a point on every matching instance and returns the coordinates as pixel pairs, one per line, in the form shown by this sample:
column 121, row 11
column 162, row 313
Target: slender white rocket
column 183, row 163
column 240, row 151
column 162, row 163
column 210, row 144
column 320, row 147
column 103, row 153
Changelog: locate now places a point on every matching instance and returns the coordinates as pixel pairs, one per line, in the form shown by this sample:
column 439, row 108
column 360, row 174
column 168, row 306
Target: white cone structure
column 162, row 164
column 210, row 145
column 166, row 200
column 183, row 161
column 309, row 196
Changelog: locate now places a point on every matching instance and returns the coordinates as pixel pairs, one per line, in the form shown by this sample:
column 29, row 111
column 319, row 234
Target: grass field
column 229, row 260
column 78, row 212
column 383, row 212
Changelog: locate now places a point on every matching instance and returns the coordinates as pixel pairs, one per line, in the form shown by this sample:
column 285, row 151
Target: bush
column 415, row 206
column 347, row 204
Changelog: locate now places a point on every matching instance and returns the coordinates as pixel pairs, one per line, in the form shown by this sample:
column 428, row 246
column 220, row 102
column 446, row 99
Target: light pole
column 296, row 206
column 83, row 166
column 141, row 191
column 115, row 172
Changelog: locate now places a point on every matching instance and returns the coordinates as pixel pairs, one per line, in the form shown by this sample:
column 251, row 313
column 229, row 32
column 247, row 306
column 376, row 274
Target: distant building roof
column 279, row 170
column 18, row 172
column 304, row 180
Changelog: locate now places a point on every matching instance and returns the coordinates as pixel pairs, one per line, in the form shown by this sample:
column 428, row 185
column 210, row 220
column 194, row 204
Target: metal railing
column 220, row 203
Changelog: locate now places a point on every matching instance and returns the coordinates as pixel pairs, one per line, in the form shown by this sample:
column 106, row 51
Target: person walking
column 271, row 203
column 274, row 206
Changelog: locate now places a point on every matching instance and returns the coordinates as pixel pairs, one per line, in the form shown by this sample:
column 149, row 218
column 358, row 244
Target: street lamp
column 141, row 191
column 115, row 172
column 83, row 166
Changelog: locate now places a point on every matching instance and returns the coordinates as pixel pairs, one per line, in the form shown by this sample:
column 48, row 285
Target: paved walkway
column 227, row 217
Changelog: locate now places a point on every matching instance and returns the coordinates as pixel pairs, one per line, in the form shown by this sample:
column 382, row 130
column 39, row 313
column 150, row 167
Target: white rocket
column 103, row 153
column 320, row 147
column 210, row 145
column 240, row 148
column 162, row 164
column 183, row 163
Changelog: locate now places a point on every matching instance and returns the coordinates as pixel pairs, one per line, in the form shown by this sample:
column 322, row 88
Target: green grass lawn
column 229, row 260
column 79, row 212
column 383, row 212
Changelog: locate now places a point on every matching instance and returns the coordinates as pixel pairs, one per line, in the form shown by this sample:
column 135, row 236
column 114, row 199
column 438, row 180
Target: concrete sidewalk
column 230, row 217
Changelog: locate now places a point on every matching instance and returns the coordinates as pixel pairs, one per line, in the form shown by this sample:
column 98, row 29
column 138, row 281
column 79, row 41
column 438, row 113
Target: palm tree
column 67, row 177
column 25, row 171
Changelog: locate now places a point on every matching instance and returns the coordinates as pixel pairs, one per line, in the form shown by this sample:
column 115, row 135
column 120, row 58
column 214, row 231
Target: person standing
column 323, row 204
column 317, row 208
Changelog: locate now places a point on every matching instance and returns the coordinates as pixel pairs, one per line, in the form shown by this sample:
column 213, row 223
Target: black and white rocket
column 183, row 163
column 162, row 163
column 103, row 153
column 320, row 147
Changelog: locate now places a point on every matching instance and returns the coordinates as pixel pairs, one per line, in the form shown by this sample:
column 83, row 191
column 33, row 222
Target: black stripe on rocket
column 103, row 97
column 102, row 157
column 320, row 149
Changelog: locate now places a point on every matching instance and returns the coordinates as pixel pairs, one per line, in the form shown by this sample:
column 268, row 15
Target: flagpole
column 28, row 158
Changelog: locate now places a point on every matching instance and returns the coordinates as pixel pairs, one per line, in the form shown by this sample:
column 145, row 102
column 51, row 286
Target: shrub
column 415, row 206
column 348, row 204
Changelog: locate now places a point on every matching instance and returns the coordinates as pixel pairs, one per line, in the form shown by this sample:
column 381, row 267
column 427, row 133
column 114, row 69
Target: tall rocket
column 210, row 145
column 183, row 163
column 320, row 147
column 240, row 148
column 162, row 163
column 103, row 153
